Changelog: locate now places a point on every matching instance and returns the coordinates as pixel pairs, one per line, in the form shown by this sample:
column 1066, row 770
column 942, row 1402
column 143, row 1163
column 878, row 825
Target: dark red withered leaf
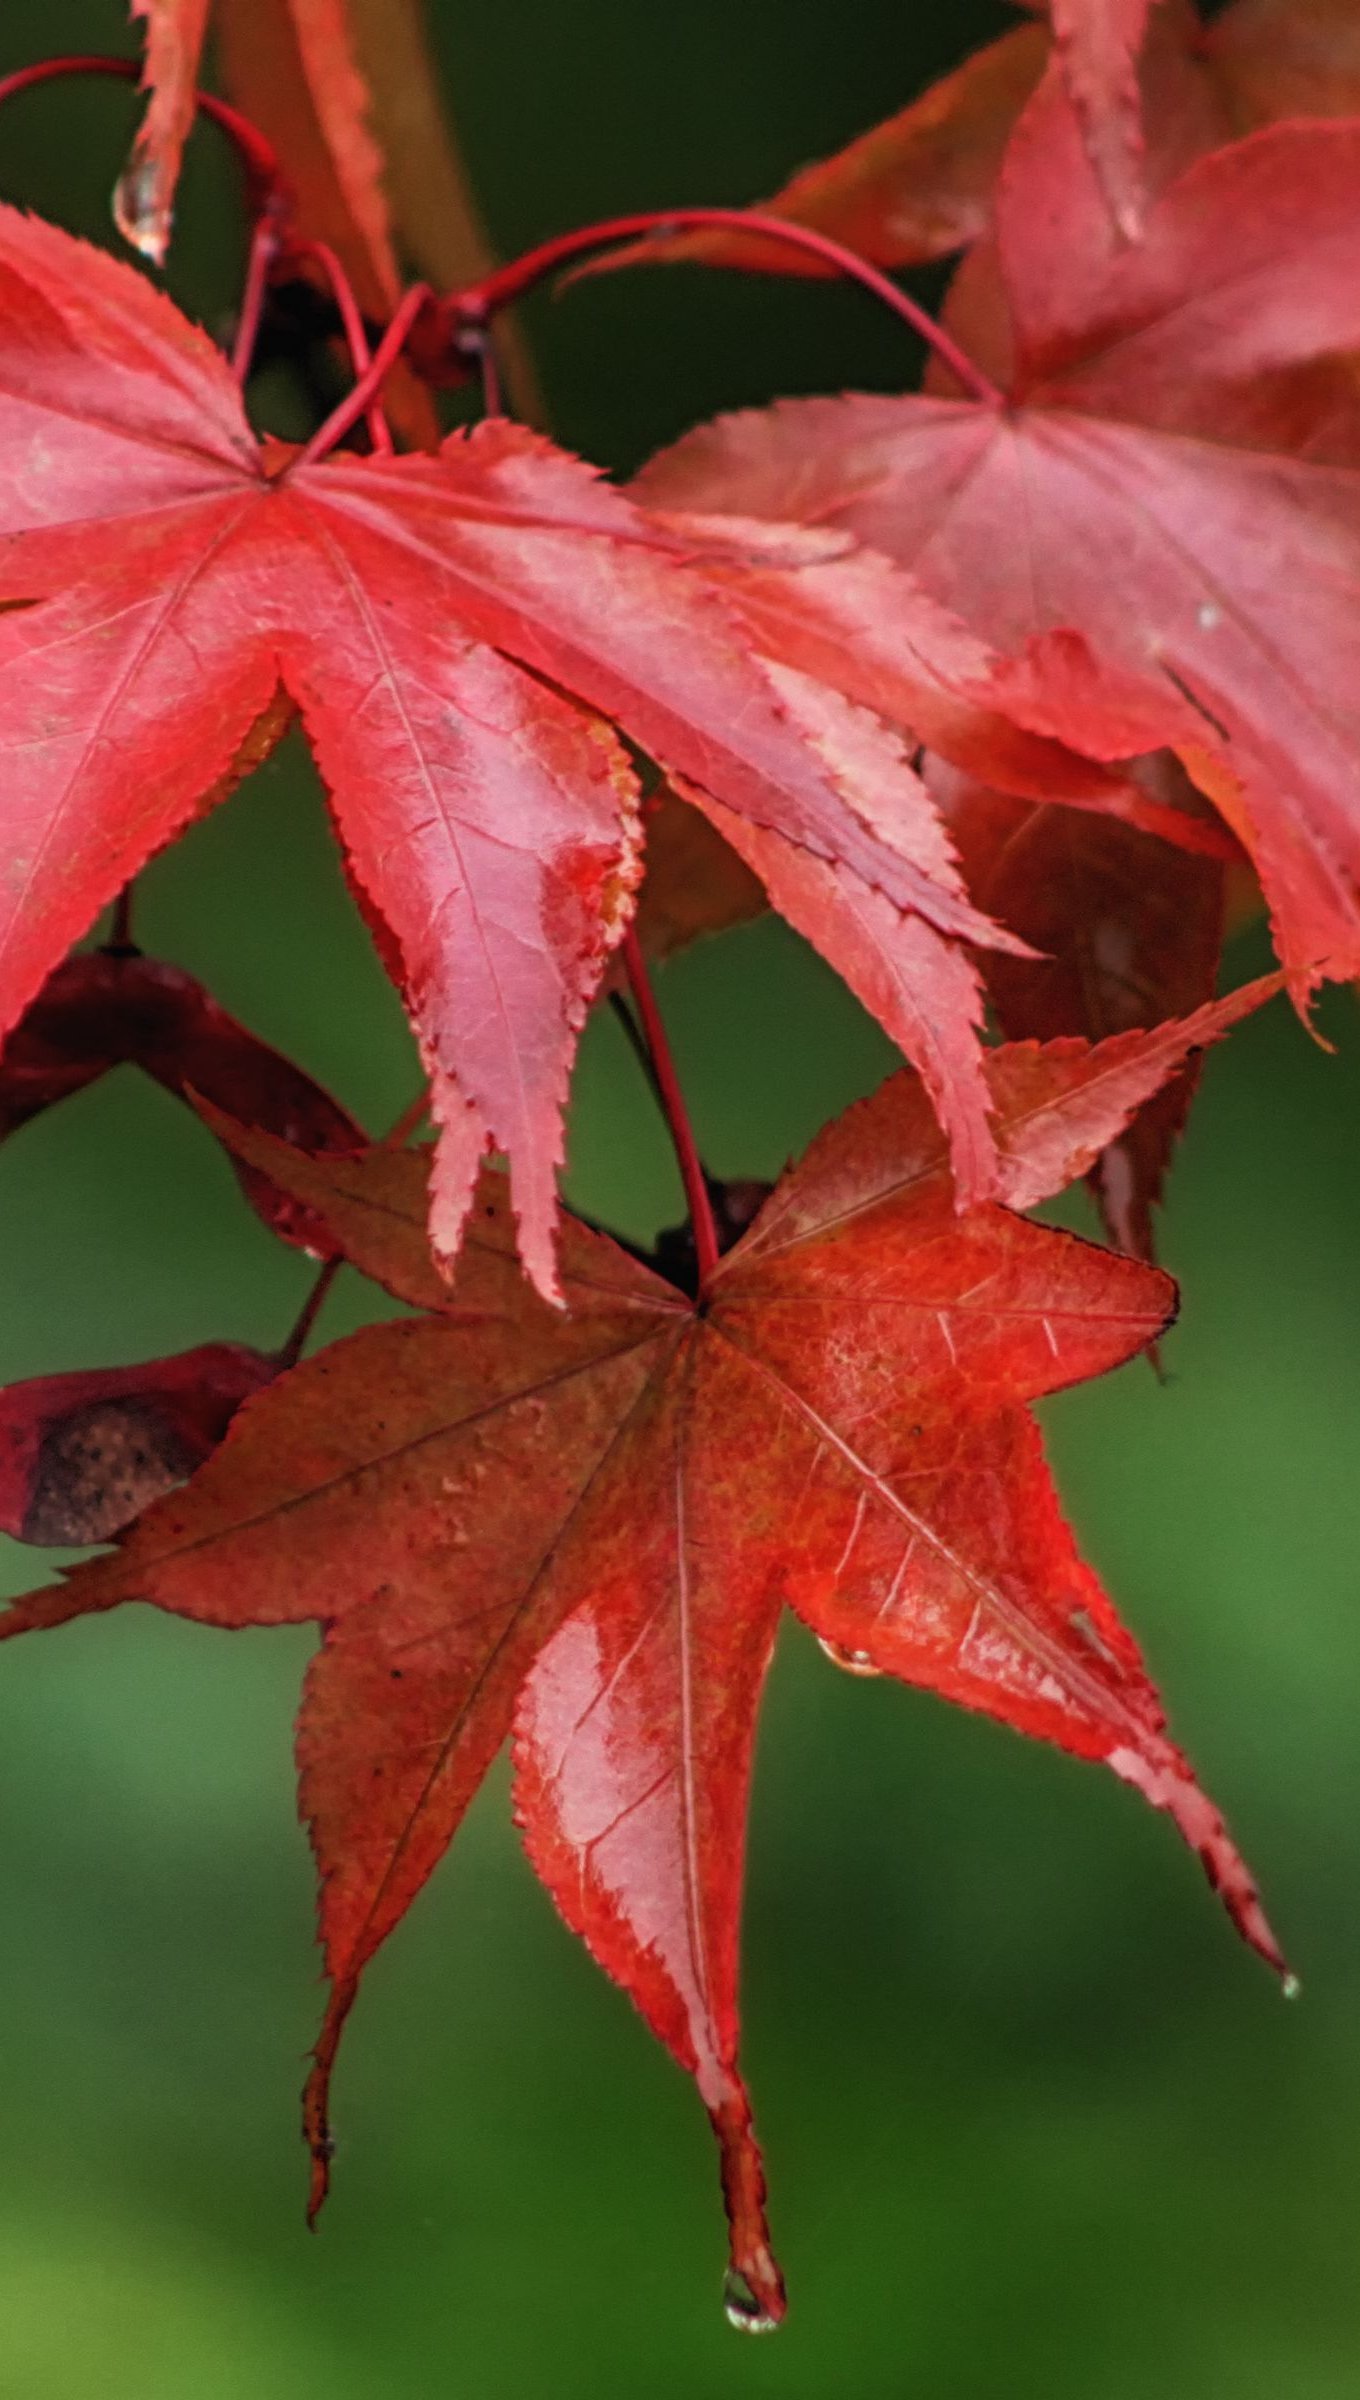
column 109, row 1008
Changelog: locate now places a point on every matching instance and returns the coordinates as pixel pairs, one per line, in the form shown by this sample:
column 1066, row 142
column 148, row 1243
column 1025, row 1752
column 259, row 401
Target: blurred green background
column 1035, row 2124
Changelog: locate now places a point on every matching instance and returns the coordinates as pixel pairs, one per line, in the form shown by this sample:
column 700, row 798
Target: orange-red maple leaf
column 584, row 1526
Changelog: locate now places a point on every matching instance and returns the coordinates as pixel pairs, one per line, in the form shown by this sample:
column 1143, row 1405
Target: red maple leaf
column 1097, row 44
column 921, row 183
column 145, row 197
column 1168, row 475
column 584, row 1525
column 454, row 631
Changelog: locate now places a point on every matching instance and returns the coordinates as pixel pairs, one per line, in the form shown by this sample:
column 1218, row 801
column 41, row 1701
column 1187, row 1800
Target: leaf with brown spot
column 82, row 1454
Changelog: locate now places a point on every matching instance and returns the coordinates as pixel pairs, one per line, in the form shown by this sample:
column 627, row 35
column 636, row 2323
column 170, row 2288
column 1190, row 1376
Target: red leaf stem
column 291, row 1350
column 352, row 319
column 673, row 1102
column 121, row 934
column 357, row 402
column 501, row 289
column 264, row 251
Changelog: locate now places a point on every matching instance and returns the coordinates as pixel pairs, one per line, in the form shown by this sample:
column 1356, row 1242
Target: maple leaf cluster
column 996, row 690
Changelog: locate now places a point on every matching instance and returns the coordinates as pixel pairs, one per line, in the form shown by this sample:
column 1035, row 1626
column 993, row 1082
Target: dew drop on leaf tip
column 741, row 2307
column 138, row 210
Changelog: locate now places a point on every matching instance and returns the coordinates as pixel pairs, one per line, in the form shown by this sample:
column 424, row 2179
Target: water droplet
column 850, row 1662
column 741, row 2307
column 1290, row 1986
column 139, row 209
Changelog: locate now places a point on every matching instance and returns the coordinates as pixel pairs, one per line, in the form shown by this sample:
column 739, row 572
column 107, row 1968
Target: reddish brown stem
column 677, row 1115
column 505, row 285
column 310, row 1310
column 357, row 402
column 120, row 932
column 269, row 189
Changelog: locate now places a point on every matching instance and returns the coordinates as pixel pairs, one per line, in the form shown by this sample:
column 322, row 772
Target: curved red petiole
column 462, row 312
column 358, row 402
column 298, row 252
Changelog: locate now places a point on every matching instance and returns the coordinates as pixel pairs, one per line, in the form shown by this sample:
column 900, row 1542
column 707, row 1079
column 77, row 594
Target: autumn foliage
column 996, row 690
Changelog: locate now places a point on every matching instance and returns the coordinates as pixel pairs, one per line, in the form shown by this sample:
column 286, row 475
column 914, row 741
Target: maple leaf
column 315, row 95
column 907, row 191
column 82, row 1454
column 1155, row 416
column 584, row 1525
column 822, row 618
column 1127, row 930
column 454, row 631
column 114, row 1007
column 921, row 183
column 349, row 94
column 1097, row 44
column 143, row 201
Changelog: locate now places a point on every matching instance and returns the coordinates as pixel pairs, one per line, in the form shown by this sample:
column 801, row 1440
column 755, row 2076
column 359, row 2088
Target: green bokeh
column 1035, row 2125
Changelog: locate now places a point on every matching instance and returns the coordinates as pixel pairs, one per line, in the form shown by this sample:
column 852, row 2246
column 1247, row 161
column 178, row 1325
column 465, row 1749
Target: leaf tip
column 316, row 2123
column 319, row 2186
column 753, row 2287
column 744, row 2308
column 1169, row 1785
